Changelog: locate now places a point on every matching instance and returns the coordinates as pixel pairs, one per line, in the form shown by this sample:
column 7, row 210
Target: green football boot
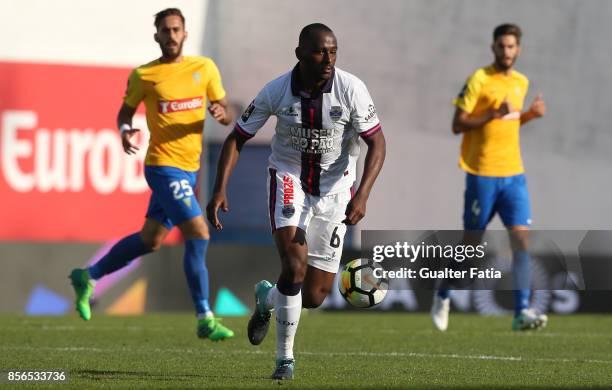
column 83, row 287
column 259, row 323
column 529, row 319
column 211, row 328
column 284, row 369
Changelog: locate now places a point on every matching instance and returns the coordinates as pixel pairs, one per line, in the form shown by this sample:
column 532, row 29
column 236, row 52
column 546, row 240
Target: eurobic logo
column 169, row 106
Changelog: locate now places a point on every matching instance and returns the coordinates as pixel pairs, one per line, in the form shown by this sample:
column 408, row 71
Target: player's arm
column 374, row 159
column 221, row 112
column 536, row 110
column 227, row 161
column 124, row 123
column 253, row 118
column 463, row 121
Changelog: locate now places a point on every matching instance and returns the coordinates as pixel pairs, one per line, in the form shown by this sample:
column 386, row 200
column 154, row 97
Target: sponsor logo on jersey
column 317, row 141
column 169, row 106
column 335, row 113
column 371, row 113
column 289, row 111
column 247, row 113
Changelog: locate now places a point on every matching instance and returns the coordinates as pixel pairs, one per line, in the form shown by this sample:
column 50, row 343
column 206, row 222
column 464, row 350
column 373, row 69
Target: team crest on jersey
column 197, row 77
column 247, row 113
column 335, row 113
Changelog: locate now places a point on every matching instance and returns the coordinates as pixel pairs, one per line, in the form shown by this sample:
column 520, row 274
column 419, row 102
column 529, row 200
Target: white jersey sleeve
column 363, row 113
column 255, row 115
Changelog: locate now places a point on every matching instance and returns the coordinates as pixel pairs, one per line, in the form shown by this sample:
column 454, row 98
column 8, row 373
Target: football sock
column 271, row 298
column 194, row 263
column 288, row 310
column 521, row 275
column 119, row 256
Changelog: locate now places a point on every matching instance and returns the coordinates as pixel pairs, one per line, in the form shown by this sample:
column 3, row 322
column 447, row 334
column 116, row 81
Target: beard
column 169, row 53
column 503, row 65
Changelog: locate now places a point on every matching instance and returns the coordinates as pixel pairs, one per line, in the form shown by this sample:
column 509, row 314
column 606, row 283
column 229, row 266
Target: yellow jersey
column 174, row 96
column 493, row 149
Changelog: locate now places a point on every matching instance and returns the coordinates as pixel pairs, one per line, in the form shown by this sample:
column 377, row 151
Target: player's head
column 316, row 51
column 506, row 45
column 170, row 32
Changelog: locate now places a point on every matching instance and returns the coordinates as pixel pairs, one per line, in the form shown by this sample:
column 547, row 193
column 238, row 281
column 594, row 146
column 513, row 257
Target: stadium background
column 68, row 191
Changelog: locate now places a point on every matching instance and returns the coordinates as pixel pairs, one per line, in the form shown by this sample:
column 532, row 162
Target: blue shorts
column 486, row 195
column 173, row 199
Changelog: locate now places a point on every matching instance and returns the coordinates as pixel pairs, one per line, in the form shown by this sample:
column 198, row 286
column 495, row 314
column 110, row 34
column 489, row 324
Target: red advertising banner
column 63, row 173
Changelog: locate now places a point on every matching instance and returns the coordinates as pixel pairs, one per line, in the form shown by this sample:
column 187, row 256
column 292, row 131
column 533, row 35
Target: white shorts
column 319, row 216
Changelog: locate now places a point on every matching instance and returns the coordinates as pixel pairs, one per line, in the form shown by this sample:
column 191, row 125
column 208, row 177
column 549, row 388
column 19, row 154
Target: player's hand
column 355, row 210
column 504, row 109
column 126, row 141
column 218, row 112
column 538, row 107
column 218, row 201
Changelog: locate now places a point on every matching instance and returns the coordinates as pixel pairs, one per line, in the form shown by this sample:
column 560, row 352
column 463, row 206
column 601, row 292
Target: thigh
column 287, row 202
column 173, row 190
column 513, row 203
column 325, row 234
column 479, row 201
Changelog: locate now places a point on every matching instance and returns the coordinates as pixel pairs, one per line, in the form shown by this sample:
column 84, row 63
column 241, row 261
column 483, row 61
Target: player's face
column 170, row 35
column 318, row 55
column 506, row 50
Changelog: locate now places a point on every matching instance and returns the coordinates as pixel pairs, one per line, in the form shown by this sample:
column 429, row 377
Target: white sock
column 288, row 310
column 271, row 298
column 208, row 314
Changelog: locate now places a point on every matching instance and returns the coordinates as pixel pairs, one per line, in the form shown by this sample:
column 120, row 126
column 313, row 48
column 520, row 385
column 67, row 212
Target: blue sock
column 119, row 256
column 521, row 273
column 445, row 293
column 196, row 272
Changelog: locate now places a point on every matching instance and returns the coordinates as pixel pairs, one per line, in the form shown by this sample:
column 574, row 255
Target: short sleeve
column 214, row 89
column 255, row 115
column 468, row 97
column 134, row 92
column 363, row 113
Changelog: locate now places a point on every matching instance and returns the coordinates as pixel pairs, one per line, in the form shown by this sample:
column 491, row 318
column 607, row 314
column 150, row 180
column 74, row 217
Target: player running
column 488, row 113
column 174, row 89
column 321, row 111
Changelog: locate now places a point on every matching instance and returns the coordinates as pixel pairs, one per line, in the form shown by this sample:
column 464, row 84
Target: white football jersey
column 316, row 137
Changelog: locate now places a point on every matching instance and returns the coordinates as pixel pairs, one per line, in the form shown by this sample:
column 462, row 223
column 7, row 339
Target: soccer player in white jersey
column 322, row 112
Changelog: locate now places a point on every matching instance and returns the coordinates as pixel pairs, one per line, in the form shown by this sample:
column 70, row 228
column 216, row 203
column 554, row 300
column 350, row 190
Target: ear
column 518, row 51
column 493, row 47
column 185, row 35
column 155, row 38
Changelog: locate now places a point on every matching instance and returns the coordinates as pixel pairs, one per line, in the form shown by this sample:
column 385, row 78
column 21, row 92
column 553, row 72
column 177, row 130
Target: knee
column 152, row 241
column 314, row 299
column 294, row 269
column 195, row 229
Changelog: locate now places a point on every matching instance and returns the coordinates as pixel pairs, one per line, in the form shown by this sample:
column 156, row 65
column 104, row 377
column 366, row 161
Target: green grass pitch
column 347, row 350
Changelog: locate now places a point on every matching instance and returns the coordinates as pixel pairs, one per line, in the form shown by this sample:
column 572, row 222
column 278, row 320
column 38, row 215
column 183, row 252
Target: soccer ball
column 359, row 286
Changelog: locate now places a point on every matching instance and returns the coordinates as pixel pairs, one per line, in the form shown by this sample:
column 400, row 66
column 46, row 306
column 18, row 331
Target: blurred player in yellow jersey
column 489, row 114
column 174, row 89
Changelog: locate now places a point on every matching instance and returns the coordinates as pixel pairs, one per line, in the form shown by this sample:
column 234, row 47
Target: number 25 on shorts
column 181, row 189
